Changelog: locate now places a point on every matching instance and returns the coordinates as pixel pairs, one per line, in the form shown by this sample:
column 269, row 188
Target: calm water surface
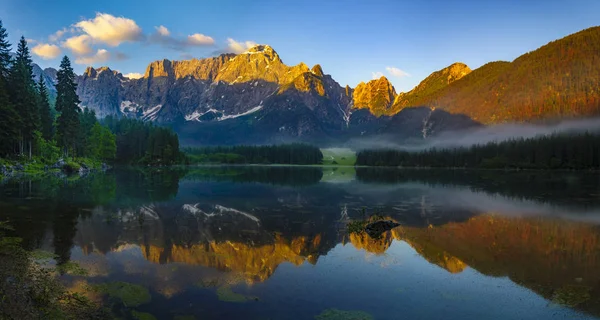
column 271, row 243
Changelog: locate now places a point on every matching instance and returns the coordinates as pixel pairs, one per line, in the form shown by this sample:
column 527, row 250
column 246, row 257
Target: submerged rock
column 375, row 229
column 335, row 314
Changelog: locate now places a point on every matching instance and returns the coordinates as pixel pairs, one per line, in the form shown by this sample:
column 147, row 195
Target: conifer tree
column 46, row 120
column 9, row 119
column 67, row 102
column 24, row 96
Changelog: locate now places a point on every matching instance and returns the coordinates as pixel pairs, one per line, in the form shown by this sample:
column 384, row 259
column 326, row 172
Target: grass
column 338, row 157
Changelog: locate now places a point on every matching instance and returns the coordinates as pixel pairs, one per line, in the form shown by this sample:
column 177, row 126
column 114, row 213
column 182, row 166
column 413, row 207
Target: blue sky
column 352, row 40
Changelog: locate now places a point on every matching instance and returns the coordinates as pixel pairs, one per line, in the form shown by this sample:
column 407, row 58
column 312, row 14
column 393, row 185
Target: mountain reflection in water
column 179, row 235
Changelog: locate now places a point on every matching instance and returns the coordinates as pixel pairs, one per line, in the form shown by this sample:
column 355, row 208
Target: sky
column 352, row 40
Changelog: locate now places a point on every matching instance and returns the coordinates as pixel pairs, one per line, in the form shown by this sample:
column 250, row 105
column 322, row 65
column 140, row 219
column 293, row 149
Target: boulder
column 19, row 167
column 377, row 228
column 59, row 164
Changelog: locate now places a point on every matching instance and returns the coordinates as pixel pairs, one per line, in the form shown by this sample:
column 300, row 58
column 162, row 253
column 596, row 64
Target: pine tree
column 24, row 96
column 9, row 119
column 5, row 58
column 46, row 121
column 67, row 103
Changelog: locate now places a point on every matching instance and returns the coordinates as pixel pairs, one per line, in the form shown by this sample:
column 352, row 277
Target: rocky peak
column 433, row 83
column 265, row 50
column 161, row 68
column 317, row 70
column 455, row 71
column 90, row 72
column 375, row 95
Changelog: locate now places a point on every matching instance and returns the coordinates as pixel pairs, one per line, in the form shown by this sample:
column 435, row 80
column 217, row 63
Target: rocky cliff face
column 375, row 95
column 251, row 97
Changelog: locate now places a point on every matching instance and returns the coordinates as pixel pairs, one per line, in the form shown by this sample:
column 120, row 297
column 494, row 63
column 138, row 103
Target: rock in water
column 375, row 229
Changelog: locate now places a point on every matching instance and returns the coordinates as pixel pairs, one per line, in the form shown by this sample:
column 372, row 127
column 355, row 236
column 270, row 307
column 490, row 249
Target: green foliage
column 23, row 95
column 71, row 268
column 71, row 167
column 557, row 151
column 46, row 149
column 34, row 292
column 46, row 119
column 131, row 295
column 102, row 144
column 296, row 153
column 87, row 121
column 138, row 142
column 67, row 104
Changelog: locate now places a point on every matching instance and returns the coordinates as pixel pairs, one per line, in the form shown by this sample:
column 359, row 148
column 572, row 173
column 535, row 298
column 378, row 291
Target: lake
column 271, row 242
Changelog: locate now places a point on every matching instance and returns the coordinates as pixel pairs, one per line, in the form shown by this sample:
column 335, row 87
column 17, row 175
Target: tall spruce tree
column 46, row 121
column 67, row 103
column 24, row 95
column 9, row 119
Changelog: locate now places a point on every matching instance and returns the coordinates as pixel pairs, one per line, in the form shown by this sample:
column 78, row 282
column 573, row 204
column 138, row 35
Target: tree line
column 29, row 127
column 556, row 151
column 295, row 153
column 141, row 142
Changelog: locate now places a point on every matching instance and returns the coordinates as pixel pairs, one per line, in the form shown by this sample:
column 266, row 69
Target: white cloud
column 133, row 75
column 239, row 47
column 397, row 72
column 102, row 55
column 57, row 35
column 163, row 31
column 111, row 30
column 376, row 75
column 80, row 45
column 163, row 37
column 46, row 51
column 198, row 39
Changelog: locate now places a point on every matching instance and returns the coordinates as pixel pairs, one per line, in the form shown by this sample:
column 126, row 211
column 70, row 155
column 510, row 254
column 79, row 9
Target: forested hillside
column 560, row 79
column 558, row 151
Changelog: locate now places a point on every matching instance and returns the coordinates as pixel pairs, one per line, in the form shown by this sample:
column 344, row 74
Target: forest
column 36, row 130
column 295, row 153
column 557, row 151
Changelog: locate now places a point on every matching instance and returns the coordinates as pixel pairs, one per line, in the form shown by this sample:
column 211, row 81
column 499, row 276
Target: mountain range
column 253, row 97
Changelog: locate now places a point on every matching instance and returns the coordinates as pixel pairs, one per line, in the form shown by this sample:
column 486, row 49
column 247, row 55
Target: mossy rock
column 571, row 295
column 226, row 294
column 72, row 268
column 132, row 295
column 335, row 314
column 71, row 167
column 142, row 315
column 41, row 255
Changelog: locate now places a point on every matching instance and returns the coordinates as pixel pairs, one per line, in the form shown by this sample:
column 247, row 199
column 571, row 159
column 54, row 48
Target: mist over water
column 478, row 136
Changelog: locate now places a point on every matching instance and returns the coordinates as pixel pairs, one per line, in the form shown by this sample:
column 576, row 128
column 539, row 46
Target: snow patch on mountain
column 233, row 116
column 150, row 114
column 128, row 107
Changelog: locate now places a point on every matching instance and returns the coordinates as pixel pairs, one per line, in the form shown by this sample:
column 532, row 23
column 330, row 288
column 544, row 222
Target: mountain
column 251, row 97
column 431, row 85
column 560, row 79
column 375, row 95
column 254, row 97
